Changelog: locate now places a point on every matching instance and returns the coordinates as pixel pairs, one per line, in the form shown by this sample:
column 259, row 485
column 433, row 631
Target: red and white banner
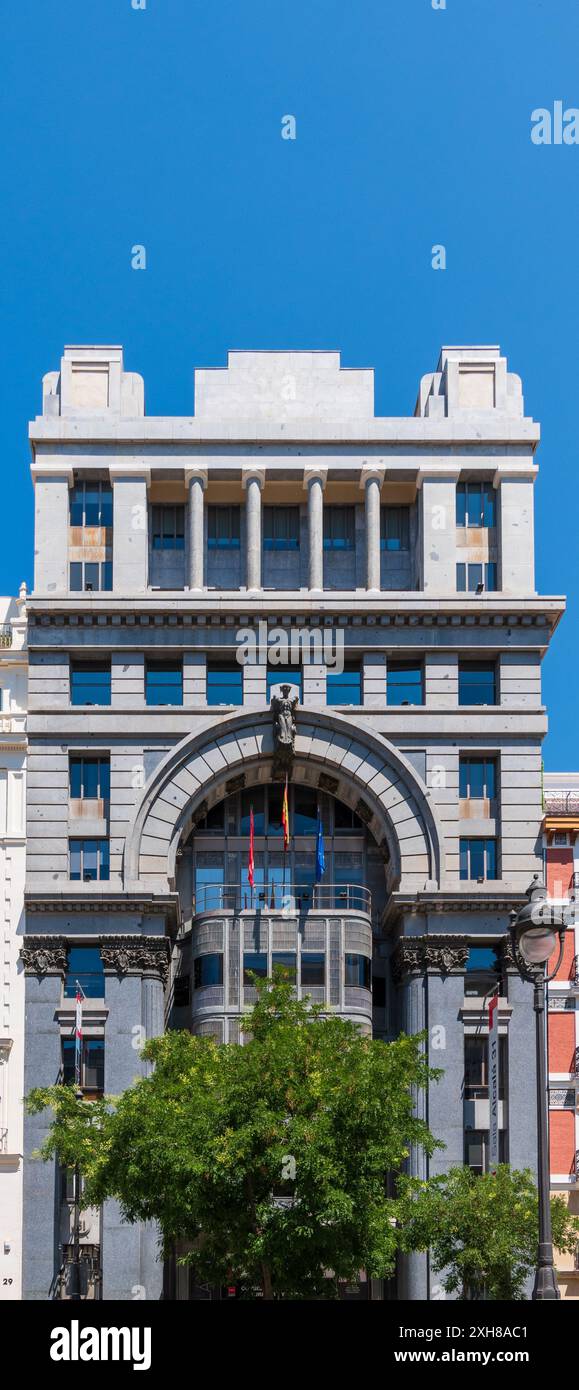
column 493, row 1069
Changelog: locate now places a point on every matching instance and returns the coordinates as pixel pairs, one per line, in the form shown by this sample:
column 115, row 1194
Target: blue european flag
column 320, row 856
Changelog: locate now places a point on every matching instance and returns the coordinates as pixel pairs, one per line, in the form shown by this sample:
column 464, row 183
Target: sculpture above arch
column 369, row 774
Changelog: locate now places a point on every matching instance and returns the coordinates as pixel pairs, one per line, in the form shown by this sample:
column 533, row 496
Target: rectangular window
column 476, row 504
column 223, row 528
column 90, row 778
column 164, row 682
column 224, row 684
column 281, row 528
column 84, row 965
column 476, row 1074
column 346, row 688
column 182, row 991
column 395, row 528
column 404, row 683
column 254, row 963
column 313, row 968
column 90, row 682
column 477, row 683
column 209, row 879
column 284, row 675
column 476, row 1149
column 94, row 576
column 483, row 971
column 168, row 527
column 92, row 1063
column 478, row 778
column 478, row 860
column 358, row 971
column 89, row 860
column 208, row 970
column 284, row 963
column 91, row 504
column 339, row 528
column 469, row 578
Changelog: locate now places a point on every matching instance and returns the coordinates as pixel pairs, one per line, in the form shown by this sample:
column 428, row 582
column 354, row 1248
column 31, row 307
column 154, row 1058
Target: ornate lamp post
column 534, row 933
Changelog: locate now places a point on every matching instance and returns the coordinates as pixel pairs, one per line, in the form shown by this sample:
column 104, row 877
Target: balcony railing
column 3, row 1141
column 575, row 1064
column 5, row 635
column 288, row 897
column 562, row 803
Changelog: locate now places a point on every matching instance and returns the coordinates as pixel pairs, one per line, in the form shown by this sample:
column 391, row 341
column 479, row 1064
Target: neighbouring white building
column 13, row 700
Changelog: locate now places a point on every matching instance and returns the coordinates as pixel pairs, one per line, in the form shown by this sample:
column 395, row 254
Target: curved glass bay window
column 312, row 929
column 220, row 853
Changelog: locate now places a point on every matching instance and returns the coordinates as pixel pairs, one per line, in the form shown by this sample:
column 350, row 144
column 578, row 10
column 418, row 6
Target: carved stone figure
column 44, row 955
column 284, row 724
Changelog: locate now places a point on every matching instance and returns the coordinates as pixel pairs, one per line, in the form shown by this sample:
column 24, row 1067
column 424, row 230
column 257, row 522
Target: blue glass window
column 345, row 688
column 394, row 528
column 339, row 528
column 283, row 963
column 254, row 963
column 90, row 576
column 469, row 577
column 224, row 684
column 168, row 528
column 91, row 504
column 404, row 683
column 476, row 683
column 313, row 970
column 478, row 860
column 478, row 777
column 90, row 778
column 223, row 528
column 254, row 798
column 358, row 971
column 89, row 860
column 164, row 682
column 90, row 682
column 475, row 504
column 209, row 879
column 85, row 965
column 281, row 528
column 208, row 970
column 282, row 675
column 92, row 1063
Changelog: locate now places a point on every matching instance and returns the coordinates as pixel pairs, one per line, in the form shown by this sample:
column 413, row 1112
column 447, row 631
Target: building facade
column 186, row 571
column 13, row 697
column 561, row 853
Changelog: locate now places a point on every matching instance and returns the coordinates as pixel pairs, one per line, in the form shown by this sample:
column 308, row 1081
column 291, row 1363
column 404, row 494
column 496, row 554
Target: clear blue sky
column 163, row 127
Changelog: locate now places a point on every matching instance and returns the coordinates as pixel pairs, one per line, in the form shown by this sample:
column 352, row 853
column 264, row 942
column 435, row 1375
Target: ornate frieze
column 136, row 955
column 44, row 955
column 420, row 954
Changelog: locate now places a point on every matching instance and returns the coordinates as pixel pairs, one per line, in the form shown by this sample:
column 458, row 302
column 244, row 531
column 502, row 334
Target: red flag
column 251, row 860
column 285, row 818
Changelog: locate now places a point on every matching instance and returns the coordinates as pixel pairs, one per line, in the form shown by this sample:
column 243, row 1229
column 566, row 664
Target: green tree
column 482, row 1231
column 269, row 1159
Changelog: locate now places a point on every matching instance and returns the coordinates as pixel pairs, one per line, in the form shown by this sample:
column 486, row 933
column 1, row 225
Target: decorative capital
column 136, row 955
column 418, row 955
column 44, row 955
column 507, row 955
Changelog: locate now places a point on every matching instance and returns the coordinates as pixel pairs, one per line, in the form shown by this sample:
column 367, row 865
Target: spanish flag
column 285, row 818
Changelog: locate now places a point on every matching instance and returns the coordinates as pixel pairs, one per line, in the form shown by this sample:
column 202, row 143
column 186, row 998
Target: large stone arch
column 355, row 764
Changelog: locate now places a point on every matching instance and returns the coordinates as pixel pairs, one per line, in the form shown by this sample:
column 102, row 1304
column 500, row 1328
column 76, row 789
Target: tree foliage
column 209, row 1144
column 482, row 1231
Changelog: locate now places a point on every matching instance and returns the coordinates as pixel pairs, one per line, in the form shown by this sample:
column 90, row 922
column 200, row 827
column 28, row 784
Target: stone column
column 44, row 961
column 438, row 534
column 372, row 480
column 315, row 482
column 51, row 521
column 516, row 534
column 136, row 969
column 408, row 972
column 130, row 531
column 196, row 480
column 253, row 481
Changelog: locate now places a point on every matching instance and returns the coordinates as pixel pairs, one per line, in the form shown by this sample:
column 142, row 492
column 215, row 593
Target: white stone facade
column 13, row 698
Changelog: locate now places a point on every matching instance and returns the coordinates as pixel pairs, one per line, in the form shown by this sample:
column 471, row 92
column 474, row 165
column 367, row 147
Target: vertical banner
column 493, row 1069
column 78, row 1036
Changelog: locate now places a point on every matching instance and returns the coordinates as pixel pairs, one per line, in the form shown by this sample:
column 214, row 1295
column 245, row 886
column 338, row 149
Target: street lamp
column 535, row 931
